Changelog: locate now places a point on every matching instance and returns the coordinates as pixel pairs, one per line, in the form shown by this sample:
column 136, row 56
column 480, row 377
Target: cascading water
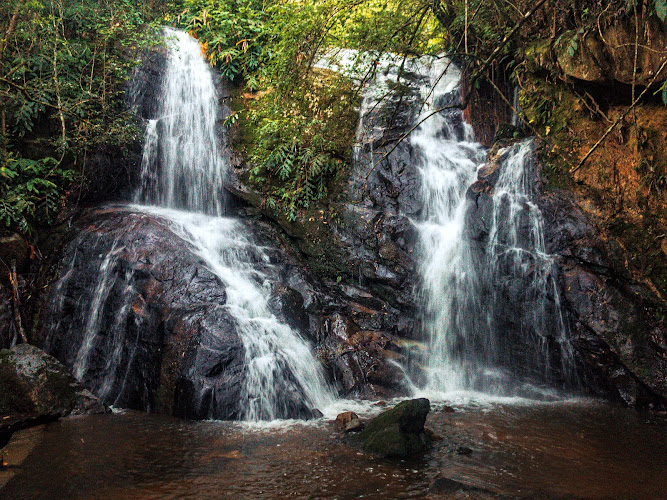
column 280, row 365
column 477, row 292
column 182, row 166
column 489, row 299
column 182, row 184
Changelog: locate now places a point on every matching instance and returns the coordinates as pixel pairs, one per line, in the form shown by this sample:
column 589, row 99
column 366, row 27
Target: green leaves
column 63, row 72
column 30, row 191
column 300, row 126
column 661, row 9
column 231, row 32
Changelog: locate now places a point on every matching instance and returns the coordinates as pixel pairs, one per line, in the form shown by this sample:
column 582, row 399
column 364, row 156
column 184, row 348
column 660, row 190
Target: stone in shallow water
column 348, row 422
column 35, row 388
column 34, row 383
column 398, row 432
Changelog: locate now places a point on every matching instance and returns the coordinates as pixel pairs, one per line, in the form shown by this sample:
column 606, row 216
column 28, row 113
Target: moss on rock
column 398, row 432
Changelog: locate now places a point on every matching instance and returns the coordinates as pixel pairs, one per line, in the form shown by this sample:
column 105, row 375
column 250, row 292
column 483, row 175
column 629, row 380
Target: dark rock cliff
column 359, row 248
column 613, row 324
column 158, row 304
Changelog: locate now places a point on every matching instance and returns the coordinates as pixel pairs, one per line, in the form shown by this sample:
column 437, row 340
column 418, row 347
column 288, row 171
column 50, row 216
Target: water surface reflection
column 579, row 449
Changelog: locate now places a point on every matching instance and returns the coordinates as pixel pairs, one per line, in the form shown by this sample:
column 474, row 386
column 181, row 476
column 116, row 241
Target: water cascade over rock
column 182, row 166
column 165, row 306
column 487, row 288
column 517, row 289
column 491, row 305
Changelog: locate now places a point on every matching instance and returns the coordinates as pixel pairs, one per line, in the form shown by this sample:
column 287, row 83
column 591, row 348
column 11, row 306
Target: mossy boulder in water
column 398, row 432
column 36, row 388
column 34, row 383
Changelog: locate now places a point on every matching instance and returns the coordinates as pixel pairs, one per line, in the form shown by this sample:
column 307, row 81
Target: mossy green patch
column 398, row 432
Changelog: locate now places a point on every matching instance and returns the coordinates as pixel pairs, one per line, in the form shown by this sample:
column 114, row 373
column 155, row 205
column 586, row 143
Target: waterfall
column 487, row 287
column 490, row 304
column 182, row 174
column 182, row 166
column 279, row 362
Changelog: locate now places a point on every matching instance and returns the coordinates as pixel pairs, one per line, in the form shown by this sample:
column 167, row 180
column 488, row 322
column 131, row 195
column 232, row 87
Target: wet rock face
column 619, row 342
column 614, row 326
column 287, row 304
column 144, row 94
column 357, row 273
column 160, row 340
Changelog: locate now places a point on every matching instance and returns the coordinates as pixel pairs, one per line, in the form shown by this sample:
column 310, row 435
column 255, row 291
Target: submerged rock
column 398, row 432
column 449, row 488
column 36, row 387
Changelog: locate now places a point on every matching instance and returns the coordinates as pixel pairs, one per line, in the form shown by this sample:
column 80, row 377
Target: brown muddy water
column 509, row 448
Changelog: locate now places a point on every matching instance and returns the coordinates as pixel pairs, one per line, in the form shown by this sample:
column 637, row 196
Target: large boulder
column 608, row 55
column 398, row 432
column 138, row 317
column 142, row 320
column 36, row 387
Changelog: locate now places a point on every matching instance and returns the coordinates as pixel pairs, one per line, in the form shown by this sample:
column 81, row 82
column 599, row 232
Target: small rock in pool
column 348, row 422
column 354, row 425
column 444, row 485
column 344, row 419
column 398, row 432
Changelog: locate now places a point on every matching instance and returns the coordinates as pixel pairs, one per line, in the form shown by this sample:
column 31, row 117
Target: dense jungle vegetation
column 63, row 69
column 64, row 65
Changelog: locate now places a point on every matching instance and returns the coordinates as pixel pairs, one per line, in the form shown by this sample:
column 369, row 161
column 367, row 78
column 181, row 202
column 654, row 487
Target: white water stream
column 182, row 183
column 182, row 166
column 278, row 360
column 464, row 294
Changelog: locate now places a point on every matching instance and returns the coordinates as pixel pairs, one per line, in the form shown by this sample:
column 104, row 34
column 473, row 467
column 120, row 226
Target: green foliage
column 232, row 33
column 300, row 142
column 300, row 123
column 661, row 9
column 30, row 190
column 63, row 69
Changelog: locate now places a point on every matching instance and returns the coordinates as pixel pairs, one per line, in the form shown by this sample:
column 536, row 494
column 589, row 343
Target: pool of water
column 578, row 448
